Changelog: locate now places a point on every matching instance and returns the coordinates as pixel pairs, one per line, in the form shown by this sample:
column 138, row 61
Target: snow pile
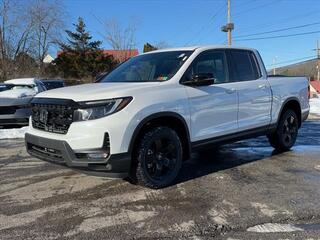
column 13, row 133
column 315, row 105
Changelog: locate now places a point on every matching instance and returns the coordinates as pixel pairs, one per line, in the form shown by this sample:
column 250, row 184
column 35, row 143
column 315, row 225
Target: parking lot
column 220, row 194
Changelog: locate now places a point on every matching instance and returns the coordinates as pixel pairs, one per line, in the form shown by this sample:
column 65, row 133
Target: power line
column 279, row 36
column 240, row 3
column 205, row 26
column 278, row 30
column 254, row 8
column 276, row 22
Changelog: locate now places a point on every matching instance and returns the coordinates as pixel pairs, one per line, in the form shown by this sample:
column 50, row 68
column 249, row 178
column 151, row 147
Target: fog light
column 108, row 167
column 97, row 155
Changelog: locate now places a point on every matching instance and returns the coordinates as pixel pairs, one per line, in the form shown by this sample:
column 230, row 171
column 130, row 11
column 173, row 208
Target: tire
column 286, row 133
column 158, row 158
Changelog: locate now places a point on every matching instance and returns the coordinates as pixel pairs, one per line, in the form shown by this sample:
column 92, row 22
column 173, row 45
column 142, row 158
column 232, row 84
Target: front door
column 213, row 109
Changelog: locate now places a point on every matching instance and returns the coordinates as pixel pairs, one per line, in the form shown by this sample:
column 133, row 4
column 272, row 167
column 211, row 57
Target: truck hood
column 97, row 91
column 17, row 93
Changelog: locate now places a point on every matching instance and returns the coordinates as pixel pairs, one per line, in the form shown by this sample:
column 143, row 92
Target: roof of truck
column 205, row 47
column 27, row 81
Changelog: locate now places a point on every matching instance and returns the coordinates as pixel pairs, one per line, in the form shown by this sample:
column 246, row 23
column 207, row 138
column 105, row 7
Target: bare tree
column 15, row 29
column 27, row 28
column 121, row 38
column 47, row 21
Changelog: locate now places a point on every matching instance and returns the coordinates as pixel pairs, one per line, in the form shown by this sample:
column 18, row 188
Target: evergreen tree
column 79, row 41
column 80, row 56
column 147, row 47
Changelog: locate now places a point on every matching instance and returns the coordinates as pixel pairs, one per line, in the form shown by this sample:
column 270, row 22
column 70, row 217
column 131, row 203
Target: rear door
column 254, row 92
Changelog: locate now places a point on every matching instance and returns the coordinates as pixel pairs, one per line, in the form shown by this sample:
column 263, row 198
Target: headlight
column 97, row 109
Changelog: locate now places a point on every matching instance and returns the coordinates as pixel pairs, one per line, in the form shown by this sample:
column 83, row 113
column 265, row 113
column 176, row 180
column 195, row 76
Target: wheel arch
column 294, row 104
column 169, row 119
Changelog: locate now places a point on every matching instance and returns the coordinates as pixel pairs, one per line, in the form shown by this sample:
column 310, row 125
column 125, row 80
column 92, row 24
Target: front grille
column 106, row 142
column 55, row 118
column 7, row 110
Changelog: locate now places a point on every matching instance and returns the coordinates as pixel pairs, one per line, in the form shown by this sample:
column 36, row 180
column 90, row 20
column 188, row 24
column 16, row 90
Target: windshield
column 160, row 66
column 6, row 87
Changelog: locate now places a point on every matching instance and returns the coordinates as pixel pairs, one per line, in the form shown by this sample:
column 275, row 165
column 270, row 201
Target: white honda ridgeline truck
column 145, row 117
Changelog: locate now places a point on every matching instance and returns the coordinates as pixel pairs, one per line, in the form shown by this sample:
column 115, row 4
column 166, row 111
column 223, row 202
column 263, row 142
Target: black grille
column 7, row 110
column 55, row 118
column 48, row 153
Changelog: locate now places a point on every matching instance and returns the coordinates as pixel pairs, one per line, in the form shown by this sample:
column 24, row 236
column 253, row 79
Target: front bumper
column 60, row 152
column 15, row 111
column 14, row 121
column 20, row 117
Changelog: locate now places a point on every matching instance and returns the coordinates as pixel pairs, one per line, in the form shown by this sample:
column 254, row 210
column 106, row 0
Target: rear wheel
column 287, row 131
column 158, row 158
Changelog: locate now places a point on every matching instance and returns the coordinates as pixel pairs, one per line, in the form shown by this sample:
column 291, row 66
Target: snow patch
column 273, row 228
column 315, row 105
column 13, row 133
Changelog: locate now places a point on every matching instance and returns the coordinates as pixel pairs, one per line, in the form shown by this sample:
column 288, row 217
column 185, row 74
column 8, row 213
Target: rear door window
column 244, row 66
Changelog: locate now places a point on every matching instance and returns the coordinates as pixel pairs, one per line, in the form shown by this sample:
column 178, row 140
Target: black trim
column 155, row 116
column 261, row 63
column 283, row 105
column 233, row 137
column 14, row 121
column 305, row 116
column 55, row 101
column 230, row 64
column 60, row 152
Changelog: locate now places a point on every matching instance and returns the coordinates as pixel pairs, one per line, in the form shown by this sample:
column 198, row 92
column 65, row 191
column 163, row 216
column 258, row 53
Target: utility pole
column 318, row 60
column 229, row 26
column 274, row 62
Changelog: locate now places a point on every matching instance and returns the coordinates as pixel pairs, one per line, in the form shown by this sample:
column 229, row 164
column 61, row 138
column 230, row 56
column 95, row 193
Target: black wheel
column 158, row 158
column 287, row 131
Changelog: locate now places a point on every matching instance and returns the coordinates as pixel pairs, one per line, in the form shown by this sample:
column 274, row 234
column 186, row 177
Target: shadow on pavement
column 218, row 159
column 242, row 152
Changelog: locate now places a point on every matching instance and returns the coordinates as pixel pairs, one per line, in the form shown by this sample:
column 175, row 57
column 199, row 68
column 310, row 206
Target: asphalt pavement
column 244, row 190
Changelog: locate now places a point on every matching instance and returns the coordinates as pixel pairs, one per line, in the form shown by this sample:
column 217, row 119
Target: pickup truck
column 144, row 118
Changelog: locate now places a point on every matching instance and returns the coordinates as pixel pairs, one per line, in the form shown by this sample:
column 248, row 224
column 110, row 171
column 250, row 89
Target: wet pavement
column 240, row 191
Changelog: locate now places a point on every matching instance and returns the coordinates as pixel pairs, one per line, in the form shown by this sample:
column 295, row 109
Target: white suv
column 144, row 118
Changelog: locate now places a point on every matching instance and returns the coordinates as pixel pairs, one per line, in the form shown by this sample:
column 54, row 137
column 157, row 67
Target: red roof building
column 119, row 55
column 122, row 55
column 316, row 85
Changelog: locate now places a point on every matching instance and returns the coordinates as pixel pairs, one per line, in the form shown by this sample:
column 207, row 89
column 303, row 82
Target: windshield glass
column 6, row 87
column 159, row 66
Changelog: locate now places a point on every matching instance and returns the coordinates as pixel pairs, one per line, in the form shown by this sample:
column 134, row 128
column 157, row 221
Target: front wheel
column 287, row 131
column 158, row 158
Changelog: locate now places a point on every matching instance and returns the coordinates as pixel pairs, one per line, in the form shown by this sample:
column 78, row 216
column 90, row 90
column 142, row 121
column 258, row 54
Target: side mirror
column 201, row 79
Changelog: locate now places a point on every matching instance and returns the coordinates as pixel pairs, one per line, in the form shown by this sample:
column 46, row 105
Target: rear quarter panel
column 285, row 88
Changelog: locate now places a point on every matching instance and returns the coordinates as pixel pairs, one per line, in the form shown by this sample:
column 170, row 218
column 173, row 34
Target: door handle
column 230, row 91
column 262, row 86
